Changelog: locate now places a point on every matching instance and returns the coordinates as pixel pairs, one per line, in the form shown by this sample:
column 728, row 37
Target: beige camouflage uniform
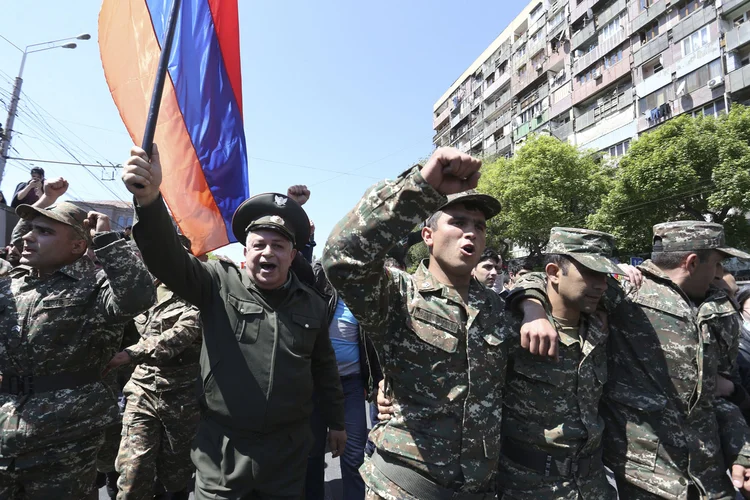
column 665, row 431
column 444, row 360
column 552, row 430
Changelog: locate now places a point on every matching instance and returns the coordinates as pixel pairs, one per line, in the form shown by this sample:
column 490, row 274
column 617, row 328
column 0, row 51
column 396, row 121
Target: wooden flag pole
column 161, row 75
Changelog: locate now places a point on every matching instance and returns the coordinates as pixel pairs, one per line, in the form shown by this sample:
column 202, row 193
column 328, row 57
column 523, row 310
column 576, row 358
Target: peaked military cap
column 64, row 212
column 687, row 235
column 592, row 249
column 273, row 211
column 488, row 204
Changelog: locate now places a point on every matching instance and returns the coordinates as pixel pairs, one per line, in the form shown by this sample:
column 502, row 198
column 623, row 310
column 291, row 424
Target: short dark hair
column 490, row 254
column 37, row 170
column 561, row 261
column 470, row 206
column 515, row 265
column 673, row 260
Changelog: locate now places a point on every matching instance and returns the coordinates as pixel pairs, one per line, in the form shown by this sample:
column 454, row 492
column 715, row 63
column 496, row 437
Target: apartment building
column 597, row 73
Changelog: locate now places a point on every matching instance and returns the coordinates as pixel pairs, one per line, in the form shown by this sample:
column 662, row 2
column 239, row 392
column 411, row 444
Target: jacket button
column 307, row 326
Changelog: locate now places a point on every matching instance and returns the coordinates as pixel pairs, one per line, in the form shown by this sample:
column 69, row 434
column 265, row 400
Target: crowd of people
column 128, row 362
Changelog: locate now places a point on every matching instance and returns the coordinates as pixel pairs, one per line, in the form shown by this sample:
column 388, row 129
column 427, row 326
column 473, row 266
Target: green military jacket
column 68, row 322
column 443, row 359
column 168, row 351
column 664, row 427
column 259, row 364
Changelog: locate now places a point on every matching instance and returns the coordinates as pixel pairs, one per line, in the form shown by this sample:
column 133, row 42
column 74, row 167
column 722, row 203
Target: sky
column 337, row 94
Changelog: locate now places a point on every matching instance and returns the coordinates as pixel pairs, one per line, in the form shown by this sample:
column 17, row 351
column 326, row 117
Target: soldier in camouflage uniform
column 442, row 336
column 666, row 435
column 552, row 431
column 60, row 319
column 161, row 414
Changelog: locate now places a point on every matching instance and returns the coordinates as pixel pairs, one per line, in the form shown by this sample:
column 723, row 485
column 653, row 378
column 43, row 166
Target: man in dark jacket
column 265, row 342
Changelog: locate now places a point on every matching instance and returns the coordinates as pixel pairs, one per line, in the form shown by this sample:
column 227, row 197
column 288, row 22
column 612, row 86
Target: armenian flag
column 199, row 131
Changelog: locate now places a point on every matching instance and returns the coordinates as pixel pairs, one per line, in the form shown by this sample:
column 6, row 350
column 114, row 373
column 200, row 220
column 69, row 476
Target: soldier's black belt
column 417, row 485
column 29, row 384
column 548, row 465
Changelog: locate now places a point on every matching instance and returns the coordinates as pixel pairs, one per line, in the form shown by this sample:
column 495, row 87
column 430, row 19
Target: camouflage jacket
column 168, row 352
column 444, row 360
column 664, row 427
column 67, row 322
column 554, row 405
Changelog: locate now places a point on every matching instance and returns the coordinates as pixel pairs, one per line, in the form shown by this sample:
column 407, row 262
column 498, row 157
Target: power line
column 36, row 160
column 309, row 167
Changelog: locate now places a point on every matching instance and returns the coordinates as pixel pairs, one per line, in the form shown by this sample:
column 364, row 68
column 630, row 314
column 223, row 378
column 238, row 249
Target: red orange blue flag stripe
column 200, row 131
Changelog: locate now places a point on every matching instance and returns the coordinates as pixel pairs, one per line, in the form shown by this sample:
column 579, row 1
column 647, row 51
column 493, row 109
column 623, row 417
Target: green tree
column 687, row 169
column 547, row 183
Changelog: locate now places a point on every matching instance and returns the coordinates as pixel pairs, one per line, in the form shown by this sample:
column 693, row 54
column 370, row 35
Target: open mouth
column 468, row 249
column 267, row 266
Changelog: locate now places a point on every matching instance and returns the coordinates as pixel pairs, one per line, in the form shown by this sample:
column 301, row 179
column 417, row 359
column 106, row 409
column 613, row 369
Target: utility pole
column 7, row 134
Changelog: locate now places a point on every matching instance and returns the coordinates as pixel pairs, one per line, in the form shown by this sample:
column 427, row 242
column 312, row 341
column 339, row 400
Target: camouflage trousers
column 157, row 431
column 105, row 459
column 380, row 487
column 65, row 471
column 516, row 482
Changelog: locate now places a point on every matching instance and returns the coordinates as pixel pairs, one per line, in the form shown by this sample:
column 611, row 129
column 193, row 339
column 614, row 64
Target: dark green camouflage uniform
column 161, row 416
column 665, row 431
column 551, row 415
column 59, row 325
column 443, row 359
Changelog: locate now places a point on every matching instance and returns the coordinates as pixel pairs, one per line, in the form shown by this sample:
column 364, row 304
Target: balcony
column 563, row 131
column 608, row 76
column 500, row 146
column 738, row 79
column 493, row 126
column 496, row 85
column 611, row 12
column 651, row 49
column 520, row 41
column 699, row 58
column 583, row 35
column 476, row 136
column 730, row 5
column 531, row 125
column 601, row 50
column 649, row 15
column 441, row 118
column 497, row 105
column 561, row 105
column 696, row 20
column 442, row 137
column 580, row 10
column 737, row 37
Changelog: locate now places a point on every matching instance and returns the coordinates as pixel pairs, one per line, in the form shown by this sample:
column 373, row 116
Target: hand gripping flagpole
column 161, row 75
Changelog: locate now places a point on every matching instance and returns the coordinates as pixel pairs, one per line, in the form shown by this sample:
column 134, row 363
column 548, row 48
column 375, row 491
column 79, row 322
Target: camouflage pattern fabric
column 66, row 322
column 161, row 416
column 444, row 360
column 664, row 428
column 64, row 471
column 5, row 268
column 593, row 249
column 553, row 407
column 681, row 236
column 725, row 326
column 380, row 488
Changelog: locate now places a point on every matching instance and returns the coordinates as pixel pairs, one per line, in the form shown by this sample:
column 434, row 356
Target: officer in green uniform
column 265, row 342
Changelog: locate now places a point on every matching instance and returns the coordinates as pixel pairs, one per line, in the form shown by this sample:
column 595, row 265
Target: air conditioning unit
column 538, row 66
column 715, row 82
column 597, row 74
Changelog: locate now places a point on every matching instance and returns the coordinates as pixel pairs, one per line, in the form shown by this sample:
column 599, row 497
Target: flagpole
column 161, row 75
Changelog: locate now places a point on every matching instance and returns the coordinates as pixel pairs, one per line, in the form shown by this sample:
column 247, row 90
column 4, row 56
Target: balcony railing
column 441, row 118
column 649, row 15
column 738, row 36
column 598, row 52
column 738, row 79
column 697, row 19
column 651, row 49
column 583, row 35
column 611, row 12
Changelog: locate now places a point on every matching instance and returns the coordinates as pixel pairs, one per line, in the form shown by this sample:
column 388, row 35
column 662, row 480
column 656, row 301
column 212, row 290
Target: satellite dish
column 589, row 14
column 681, row 89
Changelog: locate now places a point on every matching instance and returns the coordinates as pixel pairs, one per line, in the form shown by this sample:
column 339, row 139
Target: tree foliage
column 547, row 183
column 688, row 168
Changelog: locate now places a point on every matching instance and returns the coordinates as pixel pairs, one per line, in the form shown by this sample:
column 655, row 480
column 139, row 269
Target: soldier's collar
column 424, row 279
column 78, row 269
column 163, row 293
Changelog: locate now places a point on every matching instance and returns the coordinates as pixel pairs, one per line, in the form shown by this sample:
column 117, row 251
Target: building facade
column 597, row 73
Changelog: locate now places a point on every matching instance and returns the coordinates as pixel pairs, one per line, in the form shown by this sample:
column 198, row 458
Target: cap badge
column 276, row 220
column 280, row 200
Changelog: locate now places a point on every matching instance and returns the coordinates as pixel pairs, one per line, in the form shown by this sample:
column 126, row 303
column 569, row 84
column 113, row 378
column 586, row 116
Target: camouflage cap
column 592, row 249
column 64, row 212
column 687, row 235
column 273, row 211
column 488, row 204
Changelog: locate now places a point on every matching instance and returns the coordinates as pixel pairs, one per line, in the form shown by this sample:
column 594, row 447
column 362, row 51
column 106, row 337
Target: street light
column 6, row 135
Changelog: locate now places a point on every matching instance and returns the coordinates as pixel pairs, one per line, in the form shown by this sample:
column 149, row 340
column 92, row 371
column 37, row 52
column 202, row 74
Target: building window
column 522, row 71
column 619, row 149
column 713, row 109
column 536, row 12
column 653, row 101
column 687, row 9
column 650, row 33
column 588, row 75
column 695, row 41
column 610, row 29
column 533, row 39
column 652, row 67
column 613, row 58
column 520, row 52
column 121, row 222
column 700, row 77
column 557, row 19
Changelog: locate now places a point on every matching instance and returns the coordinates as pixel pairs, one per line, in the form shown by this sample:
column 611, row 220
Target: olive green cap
column 592, row 249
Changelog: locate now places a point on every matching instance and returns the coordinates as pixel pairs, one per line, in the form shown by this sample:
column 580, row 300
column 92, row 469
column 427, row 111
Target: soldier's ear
column 427, row 236
column 553, row 272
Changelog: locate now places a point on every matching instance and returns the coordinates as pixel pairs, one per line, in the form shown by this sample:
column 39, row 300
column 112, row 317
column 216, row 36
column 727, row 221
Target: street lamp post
column 6, row 136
